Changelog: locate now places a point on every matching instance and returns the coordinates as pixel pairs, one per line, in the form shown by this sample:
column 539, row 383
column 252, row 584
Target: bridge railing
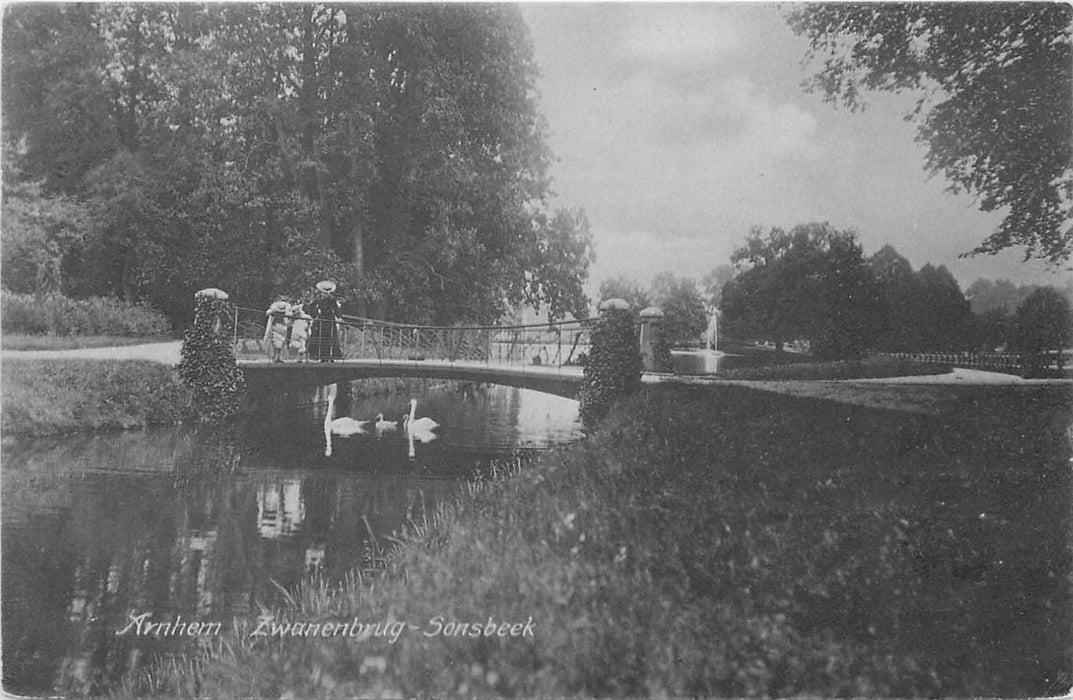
column 556, row 344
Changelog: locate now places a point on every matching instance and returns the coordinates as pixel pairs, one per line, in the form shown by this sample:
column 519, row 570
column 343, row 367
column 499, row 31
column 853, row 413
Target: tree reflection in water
column 210, row 524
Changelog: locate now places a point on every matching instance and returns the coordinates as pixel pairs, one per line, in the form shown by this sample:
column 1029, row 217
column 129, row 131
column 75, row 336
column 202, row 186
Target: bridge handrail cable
column 348, row 319
column 555, row 342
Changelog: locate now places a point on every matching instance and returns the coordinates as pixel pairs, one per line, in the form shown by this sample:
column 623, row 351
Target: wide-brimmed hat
column 326, row 286
column 279, row 307
column 211, row 293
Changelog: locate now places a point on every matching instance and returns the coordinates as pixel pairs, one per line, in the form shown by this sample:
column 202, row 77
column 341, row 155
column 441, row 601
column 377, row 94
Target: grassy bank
column 866, row 368
column 48, row 397
column 719, row 542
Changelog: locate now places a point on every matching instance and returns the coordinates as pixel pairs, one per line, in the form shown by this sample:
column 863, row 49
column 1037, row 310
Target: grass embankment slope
column 789, row 367
column 49, row 397
column 725, row 542
column 43, row 397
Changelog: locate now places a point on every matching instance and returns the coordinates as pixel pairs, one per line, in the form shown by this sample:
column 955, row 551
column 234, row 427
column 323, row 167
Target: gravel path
column 166, row 353
column 963, row 375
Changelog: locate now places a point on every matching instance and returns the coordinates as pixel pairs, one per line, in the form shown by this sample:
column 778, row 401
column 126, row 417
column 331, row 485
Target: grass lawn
column 802, row 368
column 48, row 397
column 11, row 341
column 934, row 399
column 717, row 542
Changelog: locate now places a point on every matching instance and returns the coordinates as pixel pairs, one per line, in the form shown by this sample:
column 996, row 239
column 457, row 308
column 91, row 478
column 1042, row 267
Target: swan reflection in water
column 416, row 429
column 344, row 426
column 419, row 429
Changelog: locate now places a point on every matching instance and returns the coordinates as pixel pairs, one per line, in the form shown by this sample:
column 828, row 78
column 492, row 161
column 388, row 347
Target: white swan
column 343, row 427
column 347, row 426
column 419, row 428
column 385, row 425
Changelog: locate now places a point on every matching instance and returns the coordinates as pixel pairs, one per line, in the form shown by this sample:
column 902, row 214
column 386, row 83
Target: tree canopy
column 714, row 282
column 684, row 313
column 996, row 104
column 259, row 148
column 811, row 283
column 1044, row 322
column 685, row 317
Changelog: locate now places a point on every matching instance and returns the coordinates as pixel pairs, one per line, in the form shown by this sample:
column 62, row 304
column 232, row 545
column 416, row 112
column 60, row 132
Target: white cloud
column 691, row 33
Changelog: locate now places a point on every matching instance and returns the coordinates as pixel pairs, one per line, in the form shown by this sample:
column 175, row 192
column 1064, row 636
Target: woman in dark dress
column 324, row 335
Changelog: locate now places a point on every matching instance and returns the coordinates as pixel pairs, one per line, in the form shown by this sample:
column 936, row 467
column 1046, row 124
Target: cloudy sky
column 678, row 127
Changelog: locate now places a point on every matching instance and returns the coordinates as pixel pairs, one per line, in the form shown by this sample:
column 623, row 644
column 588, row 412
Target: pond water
column 196, row 523
column 715, row 362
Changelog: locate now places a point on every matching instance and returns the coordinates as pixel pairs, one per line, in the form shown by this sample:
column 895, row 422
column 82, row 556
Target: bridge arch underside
column 261, row 376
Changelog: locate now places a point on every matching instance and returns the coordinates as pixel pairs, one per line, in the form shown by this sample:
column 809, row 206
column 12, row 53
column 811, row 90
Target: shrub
column 55, row 314
column 613, row 367
column 208, row 364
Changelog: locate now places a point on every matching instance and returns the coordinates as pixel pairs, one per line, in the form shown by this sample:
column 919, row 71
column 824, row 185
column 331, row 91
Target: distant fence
column 997, row 361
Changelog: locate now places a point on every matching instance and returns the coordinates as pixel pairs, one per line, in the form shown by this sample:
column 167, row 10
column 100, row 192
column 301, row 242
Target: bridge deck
column 563, row 381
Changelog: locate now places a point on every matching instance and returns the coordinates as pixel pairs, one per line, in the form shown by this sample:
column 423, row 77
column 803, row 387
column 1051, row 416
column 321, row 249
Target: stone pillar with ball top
column 651, row 328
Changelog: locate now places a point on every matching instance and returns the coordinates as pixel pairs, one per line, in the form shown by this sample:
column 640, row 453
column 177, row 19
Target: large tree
column 811, row 283
column 999, row 295
column 920, row 311
column 685, row 317
column 1044, row 322
column 900, row 330
column 943, row 314
column 37, row 232
column 995, row 106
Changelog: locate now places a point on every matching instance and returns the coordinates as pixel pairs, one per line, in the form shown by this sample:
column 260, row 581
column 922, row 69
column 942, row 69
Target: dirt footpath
column 963, row 375
column 166, row 353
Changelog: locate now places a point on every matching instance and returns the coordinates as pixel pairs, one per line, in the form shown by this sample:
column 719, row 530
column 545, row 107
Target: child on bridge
column 300, row 322
column 276, row 329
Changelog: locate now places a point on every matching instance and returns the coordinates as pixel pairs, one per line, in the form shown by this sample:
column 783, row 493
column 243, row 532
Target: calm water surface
column 208, row 525
column 712, row 362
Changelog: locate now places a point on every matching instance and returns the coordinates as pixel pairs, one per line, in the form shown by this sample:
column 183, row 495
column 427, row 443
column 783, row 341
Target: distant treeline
column 813, row 283
column 814, row 288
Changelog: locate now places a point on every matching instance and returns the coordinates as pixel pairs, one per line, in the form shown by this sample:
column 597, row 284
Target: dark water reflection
column 209, row 525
